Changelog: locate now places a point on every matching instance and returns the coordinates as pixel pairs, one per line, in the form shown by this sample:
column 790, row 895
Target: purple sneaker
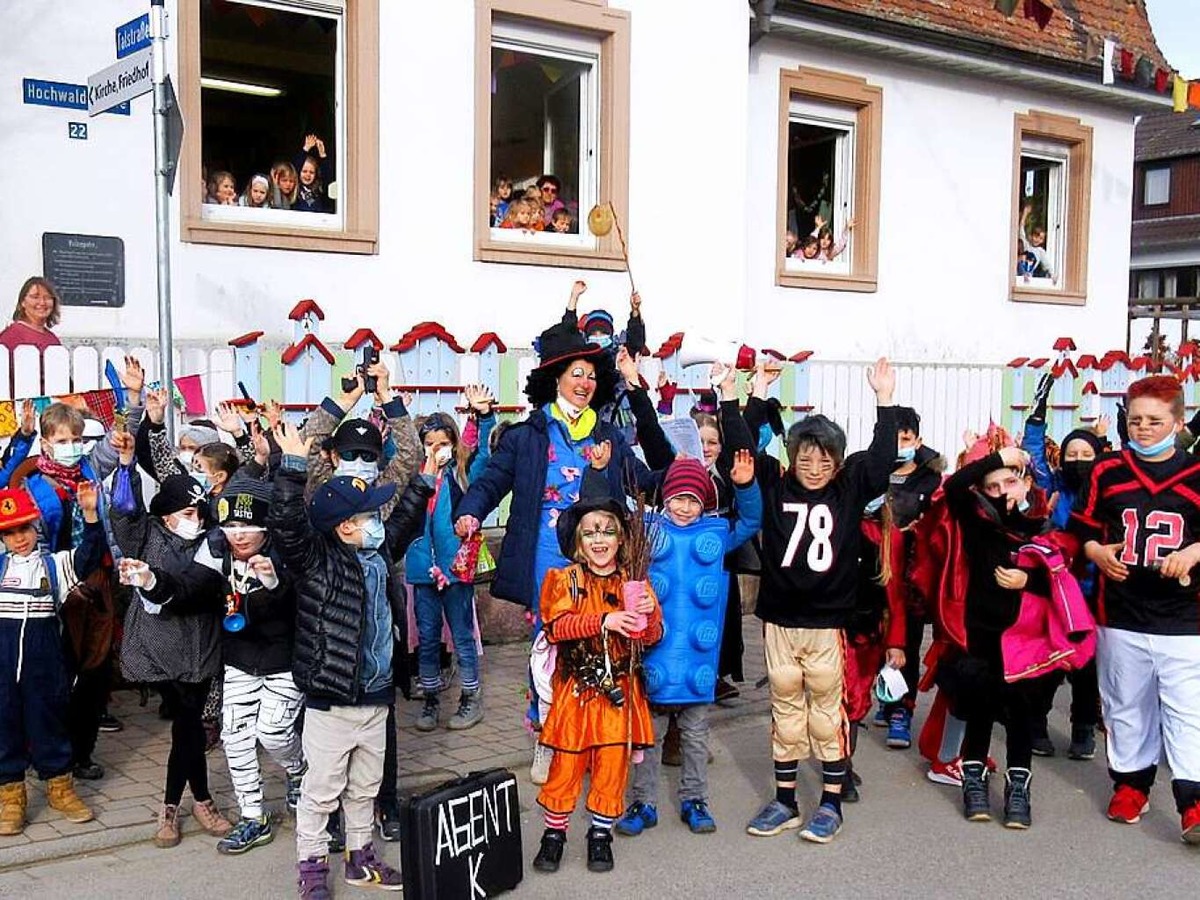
column 314, row 874
column 365, row 869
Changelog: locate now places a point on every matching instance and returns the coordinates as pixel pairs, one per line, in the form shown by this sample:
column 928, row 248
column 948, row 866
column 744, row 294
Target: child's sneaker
column 1083, row 742
column 637, row 819
column 210, row 818
column 246, row 835
column 899, row 736
column 773, row 819
column 314, row 878
column 977, row 804
column 695, row 813
column 427, row 719
column 946, row 773
column 549, row 854
column 1128, row 805
column 470, row 711
column 14, row 802
column 61, row 796
column 824, row 825
column 366, row 869
column 1018, row 807
column 1190, row 832
column 880, row 719
column 599, row 850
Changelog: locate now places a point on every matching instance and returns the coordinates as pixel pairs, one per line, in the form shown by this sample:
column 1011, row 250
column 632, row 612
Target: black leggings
column 1085, row 695
column 186, row 764
column 986, row 698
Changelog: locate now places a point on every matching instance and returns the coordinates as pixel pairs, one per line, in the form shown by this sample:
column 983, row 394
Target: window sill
column 561, row 257
column 1036, row 295
column 862, row 284
column 197, row 230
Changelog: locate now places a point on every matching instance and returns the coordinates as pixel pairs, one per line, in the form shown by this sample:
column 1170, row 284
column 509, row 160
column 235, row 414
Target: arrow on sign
column 123, row 80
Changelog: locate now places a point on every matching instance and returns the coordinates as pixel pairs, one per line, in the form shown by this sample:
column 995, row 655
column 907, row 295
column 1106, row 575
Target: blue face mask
column 358, row 468
column 373, row 533
column 1023, row 506
column 1145, row 451
column 202, row 479
column 600, row 340
column 906, row 454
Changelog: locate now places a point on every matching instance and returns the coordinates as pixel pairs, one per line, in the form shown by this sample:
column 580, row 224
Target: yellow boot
column 60, row 794
column 12, row 808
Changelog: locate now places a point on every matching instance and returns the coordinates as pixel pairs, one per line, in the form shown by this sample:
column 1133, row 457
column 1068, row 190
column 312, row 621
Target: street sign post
column 164, row 107
column 123, row 80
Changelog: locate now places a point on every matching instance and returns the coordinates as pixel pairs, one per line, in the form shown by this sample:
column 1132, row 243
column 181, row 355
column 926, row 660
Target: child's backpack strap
column 51, row 574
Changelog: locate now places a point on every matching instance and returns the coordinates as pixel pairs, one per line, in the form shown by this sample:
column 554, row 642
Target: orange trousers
column 609, row 766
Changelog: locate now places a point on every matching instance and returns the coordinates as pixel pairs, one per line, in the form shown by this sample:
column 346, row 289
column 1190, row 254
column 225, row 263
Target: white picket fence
column 949, row 398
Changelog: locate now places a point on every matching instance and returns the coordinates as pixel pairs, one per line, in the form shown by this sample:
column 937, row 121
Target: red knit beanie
column 688, row 476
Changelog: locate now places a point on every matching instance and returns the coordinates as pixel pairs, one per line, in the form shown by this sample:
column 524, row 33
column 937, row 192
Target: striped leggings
column 259, row 710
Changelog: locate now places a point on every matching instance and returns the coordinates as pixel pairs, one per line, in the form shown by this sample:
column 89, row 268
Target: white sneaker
column 539, row 771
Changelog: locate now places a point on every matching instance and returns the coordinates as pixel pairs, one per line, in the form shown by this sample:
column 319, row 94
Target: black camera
column 370, row 382
column 603, row 683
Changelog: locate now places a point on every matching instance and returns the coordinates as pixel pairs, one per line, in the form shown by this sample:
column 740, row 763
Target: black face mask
column 1075, row 474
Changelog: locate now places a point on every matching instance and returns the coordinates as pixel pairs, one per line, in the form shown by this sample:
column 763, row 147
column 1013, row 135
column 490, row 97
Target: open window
column 281, row 101
column 830, row 126
column 552, row 113
column 1051, row 198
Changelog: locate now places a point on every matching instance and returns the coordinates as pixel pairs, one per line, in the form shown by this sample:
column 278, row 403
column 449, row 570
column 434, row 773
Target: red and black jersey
column 811, row 539
column 1151, row 509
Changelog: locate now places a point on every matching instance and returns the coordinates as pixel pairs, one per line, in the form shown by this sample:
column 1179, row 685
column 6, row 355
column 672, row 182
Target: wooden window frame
column 867, row 102
column 360, row 156
column 612, row 28
column 1077, row 139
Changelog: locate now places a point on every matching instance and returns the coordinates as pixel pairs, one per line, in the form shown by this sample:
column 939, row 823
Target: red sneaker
column 1128, row 804
column 945, row 773
column 1191, row 824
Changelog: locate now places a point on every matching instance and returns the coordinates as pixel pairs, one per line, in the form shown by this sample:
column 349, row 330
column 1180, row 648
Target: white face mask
column 188, row 529
column 568, row 409
column 185, row 458
column 443, row 455
column 358, row 468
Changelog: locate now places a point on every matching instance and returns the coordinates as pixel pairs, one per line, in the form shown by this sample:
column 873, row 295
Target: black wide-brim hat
column 571, row 517
column 559, row 344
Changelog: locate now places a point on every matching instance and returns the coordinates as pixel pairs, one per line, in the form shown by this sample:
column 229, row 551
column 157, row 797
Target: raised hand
column 882, row 378
column 578, row 289
column 627, row 366
column 229, row 420
column 383, row 382
column 134, row 379
column 262, row 447
column 28, row 418
column 263, row 568
column 123, row 443
column 601, row 455
column 288, row 438
column 347, row 399
column 741, row 472
column 635, row 305
column 1014, row 458
column 479, row 399
column 274, row 412
column 156, row 405
column 88, row 498
column 727, row 383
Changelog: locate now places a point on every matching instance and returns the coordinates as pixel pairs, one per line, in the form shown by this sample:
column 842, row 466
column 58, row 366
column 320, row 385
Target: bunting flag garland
column 1143, row 73
column 191, row 389
column 1180, row 95
column 1161, row 79
column 101, row 404
column 8, row 418
column 1110, row 51
column 1126, row 64
column 1193, row 94
column 1006, row 7
column 1040, row 12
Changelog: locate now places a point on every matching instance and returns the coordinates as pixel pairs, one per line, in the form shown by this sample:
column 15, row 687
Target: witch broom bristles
column 640, row 546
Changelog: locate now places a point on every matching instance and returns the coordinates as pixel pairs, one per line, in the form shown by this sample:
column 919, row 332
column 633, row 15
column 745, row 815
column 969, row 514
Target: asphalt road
column 905, row 839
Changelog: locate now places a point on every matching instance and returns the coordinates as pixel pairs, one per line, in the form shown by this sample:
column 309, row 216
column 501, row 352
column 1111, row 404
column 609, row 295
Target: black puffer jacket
column 330, row 590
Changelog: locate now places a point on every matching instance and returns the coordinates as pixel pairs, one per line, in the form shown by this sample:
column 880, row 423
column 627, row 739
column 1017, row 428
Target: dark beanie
column 177, row 492
column 688, row 476
column 245, row 501
column 1086, row 435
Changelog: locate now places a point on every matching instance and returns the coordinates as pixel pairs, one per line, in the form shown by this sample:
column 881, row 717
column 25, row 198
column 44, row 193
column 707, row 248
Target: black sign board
column 86, row 269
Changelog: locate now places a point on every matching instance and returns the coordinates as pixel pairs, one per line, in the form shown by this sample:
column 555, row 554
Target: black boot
column 977, row 805
column 1083, row 742
column 850, row 787
column 1018, row 807
column 599, row 850
column 388, row 812
column 1042, row 745
column 550, row 853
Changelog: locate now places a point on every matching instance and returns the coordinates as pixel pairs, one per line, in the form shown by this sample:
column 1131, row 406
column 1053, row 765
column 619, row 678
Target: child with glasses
column 811, row 536
column 438, row 590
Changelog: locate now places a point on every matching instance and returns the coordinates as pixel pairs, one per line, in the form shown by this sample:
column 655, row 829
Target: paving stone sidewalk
column 126, row 801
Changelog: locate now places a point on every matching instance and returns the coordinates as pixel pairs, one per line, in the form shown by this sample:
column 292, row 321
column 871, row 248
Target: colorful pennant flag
column 1006, row 7
column 1126, row 64
column 1039, row 12
column 1110, row 50
column 1193, row 95
column 8, row 418
column 192, row 390
column 1179, row 95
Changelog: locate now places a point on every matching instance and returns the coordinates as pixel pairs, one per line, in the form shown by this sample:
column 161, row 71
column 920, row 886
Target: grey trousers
column 344, row 747
column 693, row 777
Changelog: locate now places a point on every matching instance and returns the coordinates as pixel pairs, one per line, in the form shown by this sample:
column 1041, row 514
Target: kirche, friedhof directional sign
column 123, row 80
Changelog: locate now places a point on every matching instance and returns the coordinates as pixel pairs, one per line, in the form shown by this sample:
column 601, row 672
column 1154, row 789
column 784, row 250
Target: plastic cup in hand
column 634, row 592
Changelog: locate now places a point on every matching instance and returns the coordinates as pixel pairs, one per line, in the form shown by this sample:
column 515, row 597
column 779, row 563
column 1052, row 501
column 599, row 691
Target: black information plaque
column 87, row 269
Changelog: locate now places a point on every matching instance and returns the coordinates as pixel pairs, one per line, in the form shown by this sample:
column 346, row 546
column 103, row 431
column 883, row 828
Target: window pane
column 1157, row 187
column 820, row 181
column 541, row 116
column 1040, row 233
column 269, row 102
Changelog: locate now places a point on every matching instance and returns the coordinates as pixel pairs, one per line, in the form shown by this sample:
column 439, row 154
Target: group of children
column 265, row 582
column 300, row 185
column 541, row 207
column 819, row 246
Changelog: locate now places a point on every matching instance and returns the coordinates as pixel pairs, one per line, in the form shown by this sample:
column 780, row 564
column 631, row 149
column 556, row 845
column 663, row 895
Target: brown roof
column 1164, row 135
column 1160, row 234
column 1066, row 36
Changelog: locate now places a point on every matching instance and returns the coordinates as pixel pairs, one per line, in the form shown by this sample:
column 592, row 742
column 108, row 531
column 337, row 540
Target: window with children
column 279, row 97
column 1041, row 242
column 545, row 150
column 820, row 188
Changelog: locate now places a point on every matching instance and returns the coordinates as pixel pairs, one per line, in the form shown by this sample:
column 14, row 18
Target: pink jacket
column 1051, row 632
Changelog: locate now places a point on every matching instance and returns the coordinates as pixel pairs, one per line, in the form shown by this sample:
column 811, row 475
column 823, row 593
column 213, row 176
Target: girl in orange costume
column 600, row 712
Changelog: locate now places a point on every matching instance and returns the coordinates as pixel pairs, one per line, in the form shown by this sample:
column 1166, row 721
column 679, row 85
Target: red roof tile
column 363, row 336
column 488, row 339
column 427, row 330
column 306, row 306
column 1066, row 36
column 292, row 353
column 245, row 340
column 670, row 346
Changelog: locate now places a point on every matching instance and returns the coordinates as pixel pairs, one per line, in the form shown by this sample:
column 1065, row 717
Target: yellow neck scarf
column 581, row 427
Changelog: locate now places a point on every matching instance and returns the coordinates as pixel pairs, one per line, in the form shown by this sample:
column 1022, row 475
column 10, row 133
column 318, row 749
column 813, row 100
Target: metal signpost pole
column 162, row 209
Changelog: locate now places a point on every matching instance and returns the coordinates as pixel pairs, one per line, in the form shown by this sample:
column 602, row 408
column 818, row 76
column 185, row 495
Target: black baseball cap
column 344, row 497
column 357, row 434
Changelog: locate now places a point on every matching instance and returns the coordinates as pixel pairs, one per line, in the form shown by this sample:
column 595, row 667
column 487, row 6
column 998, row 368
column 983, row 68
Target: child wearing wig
column 599, row 713
column 437, row 590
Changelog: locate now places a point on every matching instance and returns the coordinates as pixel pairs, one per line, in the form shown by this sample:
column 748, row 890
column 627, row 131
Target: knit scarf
column 67, row 476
